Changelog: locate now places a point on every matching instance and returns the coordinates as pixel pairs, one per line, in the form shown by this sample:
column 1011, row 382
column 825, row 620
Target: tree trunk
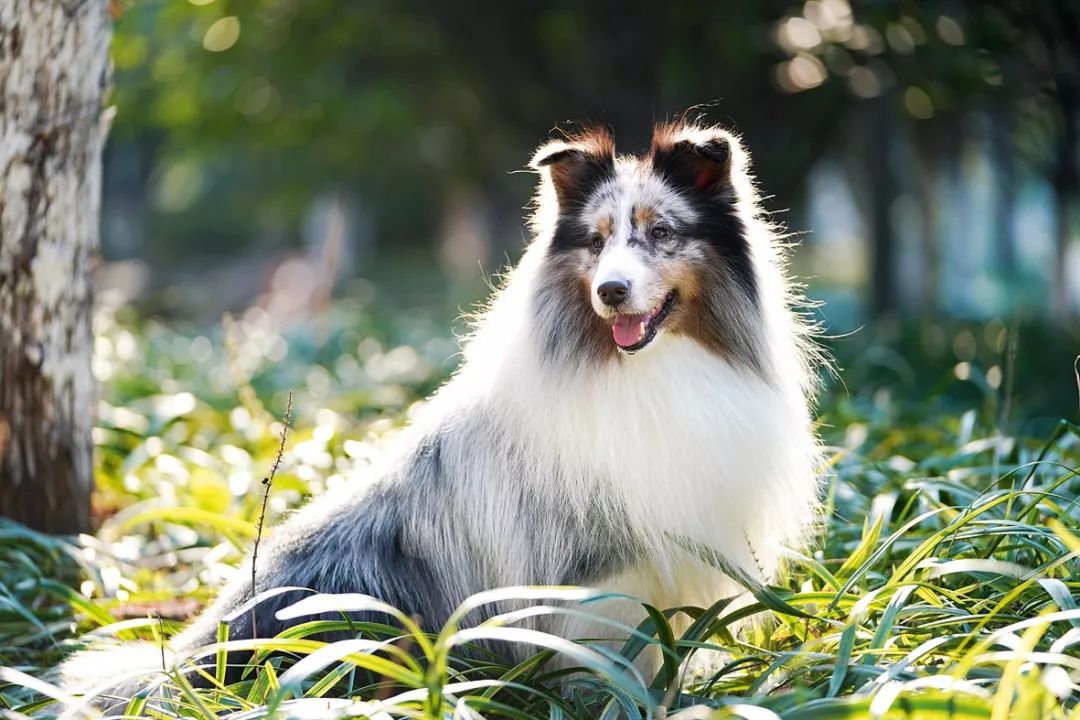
column 1058, row 27
column 54, row 71
column 1003, row 156
column 928, row 152
column 883, row 186
column 1066, row 183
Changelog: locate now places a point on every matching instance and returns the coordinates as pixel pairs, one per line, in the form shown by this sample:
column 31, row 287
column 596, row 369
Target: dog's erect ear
column 697, row 158
column 577, row 164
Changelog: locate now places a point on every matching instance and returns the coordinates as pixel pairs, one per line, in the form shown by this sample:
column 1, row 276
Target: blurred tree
column 53, row 73
column 235, row 116
column 945, row 64
column 252, row 109
column 1056, row 27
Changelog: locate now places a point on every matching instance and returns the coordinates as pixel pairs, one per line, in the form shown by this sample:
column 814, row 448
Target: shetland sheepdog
column 640, row 385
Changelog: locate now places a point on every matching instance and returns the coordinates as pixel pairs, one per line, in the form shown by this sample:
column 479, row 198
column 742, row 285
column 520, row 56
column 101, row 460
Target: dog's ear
column 577, row 164
column 694, row 158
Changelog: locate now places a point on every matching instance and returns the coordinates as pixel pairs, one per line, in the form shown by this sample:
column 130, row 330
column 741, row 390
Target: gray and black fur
column 554, row 457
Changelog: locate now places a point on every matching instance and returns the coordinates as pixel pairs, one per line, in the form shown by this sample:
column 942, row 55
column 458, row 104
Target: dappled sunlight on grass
column 944, row 583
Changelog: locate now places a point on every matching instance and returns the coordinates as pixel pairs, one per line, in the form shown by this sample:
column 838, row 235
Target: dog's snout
column 613, row 292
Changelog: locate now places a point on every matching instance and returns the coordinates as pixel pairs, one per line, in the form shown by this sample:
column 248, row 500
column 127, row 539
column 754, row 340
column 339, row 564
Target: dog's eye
column 598, row 241
column 659, row 232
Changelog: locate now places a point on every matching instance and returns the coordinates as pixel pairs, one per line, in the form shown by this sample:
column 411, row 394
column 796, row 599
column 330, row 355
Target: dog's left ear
column 577, row 164
column 698, row 159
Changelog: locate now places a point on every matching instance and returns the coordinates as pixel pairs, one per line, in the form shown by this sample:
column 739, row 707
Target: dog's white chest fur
column 689, row 444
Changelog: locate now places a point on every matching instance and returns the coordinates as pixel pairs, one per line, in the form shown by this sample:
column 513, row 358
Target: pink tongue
column 628, row 330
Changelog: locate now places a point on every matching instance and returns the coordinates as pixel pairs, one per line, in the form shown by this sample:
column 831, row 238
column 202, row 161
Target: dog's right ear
column 694, row 157
column 577, row 164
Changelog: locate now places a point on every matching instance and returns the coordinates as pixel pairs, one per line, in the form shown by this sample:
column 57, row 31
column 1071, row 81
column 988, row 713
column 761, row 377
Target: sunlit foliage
column 944, row 584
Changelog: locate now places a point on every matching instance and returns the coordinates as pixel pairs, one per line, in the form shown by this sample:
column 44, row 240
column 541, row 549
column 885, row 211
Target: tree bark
column 883, row 186
column 1066, row 184
column 54, row 71
column 928, row 152
column 1003, row 157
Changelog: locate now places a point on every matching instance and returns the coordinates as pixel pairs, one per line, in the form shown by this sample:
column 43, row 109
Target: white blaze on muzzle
column 620, row 263
column 625, row 264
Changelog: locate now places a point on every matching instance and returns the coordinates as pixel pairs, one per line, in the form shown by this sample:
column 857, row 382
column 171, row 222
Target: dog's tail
column 110, row 672
column 108, row 676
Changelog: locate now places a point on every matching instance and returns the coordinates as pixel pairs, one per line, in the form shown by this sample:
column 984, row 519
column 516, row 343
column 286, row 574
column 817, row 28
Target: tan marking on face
column 693, row 317
column 586, row 283
column 690, row 318
column 605, row 226
column 643, row 215
column 683, row 277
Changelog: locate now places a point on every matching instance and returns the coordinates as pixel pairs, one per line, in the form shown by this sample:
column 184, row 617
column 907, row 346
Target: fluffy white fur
column 534, row 468
column 693, row 445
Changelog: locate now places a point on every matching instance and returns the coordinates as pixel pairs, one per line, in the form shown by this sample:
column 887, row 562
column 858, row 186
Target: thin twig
column 267, row 483
column 1076, row 371
column 1011, row 349
column 161, row 640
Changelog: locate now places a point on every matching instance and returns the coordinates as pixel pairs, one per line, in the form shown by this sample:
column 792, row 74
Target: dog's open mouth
column 633, row 332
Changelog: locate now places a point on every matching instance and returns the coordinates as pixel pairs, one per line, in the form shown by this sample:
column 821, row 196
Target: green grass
column 944, row 585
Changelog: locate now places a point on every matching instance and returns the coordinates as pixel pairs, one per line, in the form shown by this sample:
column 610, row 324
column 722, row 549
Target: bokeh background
column 296, row 161
column 301, row 197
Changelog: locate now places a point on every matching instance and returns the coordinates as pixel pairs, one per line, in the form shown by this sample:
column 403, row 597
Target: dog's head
column 642, row 246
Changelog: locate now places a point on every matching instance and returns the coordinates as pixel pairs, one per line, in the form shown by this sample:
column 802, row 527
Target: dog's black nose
column 613, row 292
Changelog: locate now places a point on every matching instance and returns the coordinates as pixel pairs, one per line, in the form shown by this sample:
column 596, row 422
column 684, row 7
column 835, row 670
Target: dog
column 640, row 385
